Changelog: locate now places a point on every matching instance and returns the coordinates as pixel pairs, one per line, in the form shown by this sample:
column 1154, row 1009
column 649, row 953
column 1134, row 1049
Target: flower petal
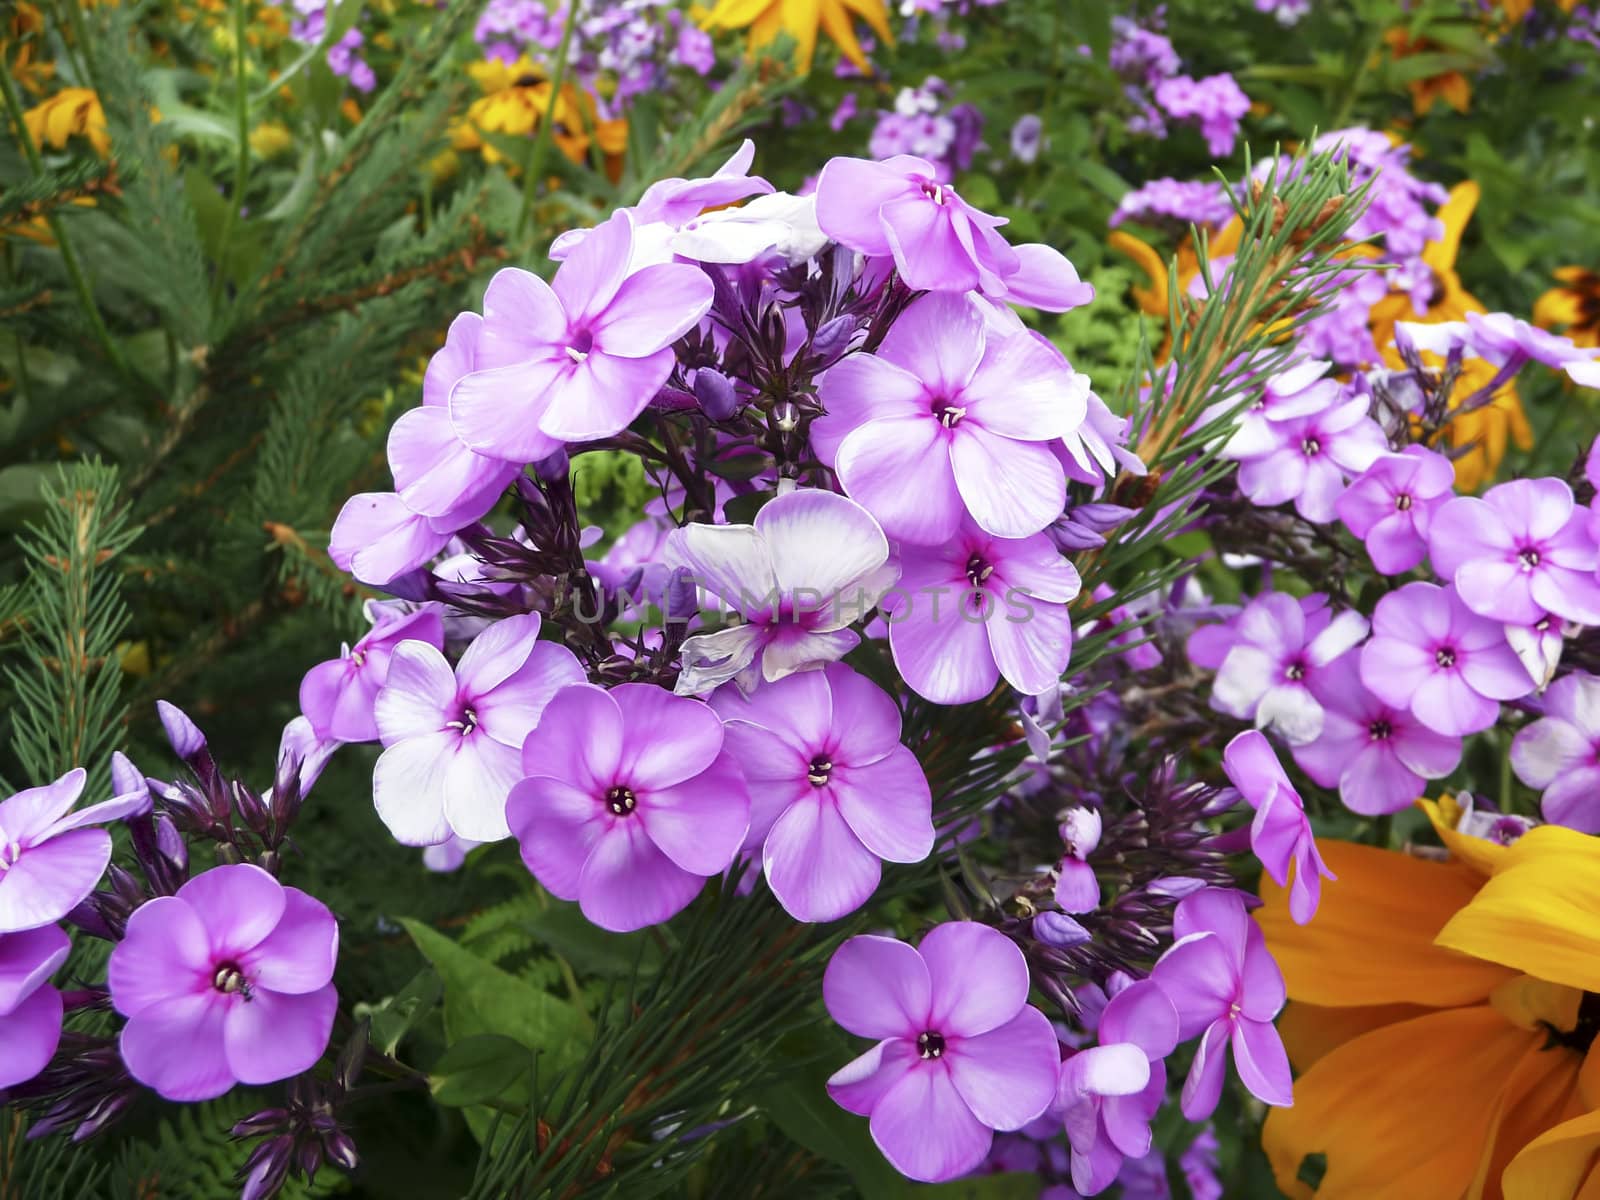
column 177, row 1048
column 298, row 955
column 1008, row 1075
column 50, row 879
column 878, row 987
column 627, row 883
column 926, row 1130
column 275, row 1035
column 979, row 978
column 859, row 1084
column 888, row 805
column 29, row 1034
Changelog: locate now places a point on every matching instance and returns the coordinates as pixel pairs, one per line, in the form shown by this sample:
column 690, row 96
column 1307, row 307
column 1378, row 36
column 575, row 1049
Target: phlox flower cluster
column 924, row 123
column 308, row 27
column 1158, row 91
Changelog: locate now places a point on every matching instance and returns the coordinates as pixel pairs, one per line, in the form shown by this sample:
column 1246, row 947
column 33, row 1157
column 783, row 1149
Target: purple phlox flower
column 960, row 1053
column 1199, row 202
column 1432, row 654
column 228, row 981
column 579, row 358
column 1480, row 819
column 1199, row 1162
column 1278, row 645
column 1027, row 138
column 1141, row 654
column 1280, row 834
column 939, row 242
column 844, row 112
column 1059, row 930
column 30, row 1009
column 1286, row 12
column 337, row 696
column 1584, row 374
column 668, row 204
column 977, row 608
column 1226, row 987
column 1498, row 338
column 1306, row 459
column 1521, row 551
column 631, row 801
column 1301, row 390
column 833, row 792
column 302, row 755
column 448, row 855
column 1391, row 506
column 1378, row 755
column 1098, row 448
column 694, row 49
column 454, row 738
column 1109, row 1093
column 50, row 857
column 811, row 565
column 1139, row 54
column 774, row 223
column 1560, row 753
column 378, row 539
column 1216, row 104
column 948, row 419
column 1077, row 890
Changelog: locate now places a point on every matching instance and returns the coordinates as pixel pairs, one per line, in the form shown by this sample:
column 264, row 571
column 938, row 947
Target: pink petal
column 730, row 561
column 1008, row 1075
column 1447, row 703
column 272, row 1035
column 864, row 722
column 652, row 309
column 590, row 276
column 456, row 357
column 298, row 955
column 862, row 1082
column 30, row 812
column 1025, row 390
column 602, row 395
column 817, row 868
column 850, row 191
column 498, row 411
column 50, row 879
column 29, row 1034
column 627, row 883
column 926, row 1130
column 887, row 805
column 239, row 905
column 701, row 823
column 979, row 978
column 946, row 659
column 1109, row 1069
column 377, row 538
column 928, row 252
column 433, row 468
column 1263, row 1067
column 408, row 788
column 1034, row 565
column 578, row 739
column 1142, row 1015
column 165, row 954
column 940, row 340
column 557, row 825
column 796, row 713
column 1077, row 890
column 338, row 701
column 1045, row 279
column 1012, row 489
column 774, row 771
column 27, row 960
column 418, row 695
column 522, row 320
column 1203, row 1088
column 668, row 740
column 878, row 987
column 862, row 388
column 495, row 655
column 1199, row 979
column 177, row 1048
column 1032, row 642
column 900, row 471
column 514, row 706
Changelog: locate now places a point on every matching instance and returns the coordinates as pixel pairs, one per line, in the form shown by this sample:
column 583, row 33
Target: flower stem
column 541, row 139
column 241, row 167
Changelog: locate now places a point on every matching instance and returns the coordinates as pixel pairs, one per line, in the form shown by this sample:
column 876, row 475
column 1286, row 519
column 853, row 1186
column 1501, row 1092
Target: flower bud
column 833, row 338
column 1059, row 930
column 716, row 394
column 188, row 743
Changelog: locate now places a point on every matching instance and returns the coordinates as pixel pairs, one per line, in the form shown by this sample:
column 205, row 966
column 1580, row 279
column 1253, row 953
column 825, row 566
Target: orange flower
column 1450, row 86
column 1442, row 1015
column 71, row 111
column 516, row 98
column 1574, row 305
column 800, row 19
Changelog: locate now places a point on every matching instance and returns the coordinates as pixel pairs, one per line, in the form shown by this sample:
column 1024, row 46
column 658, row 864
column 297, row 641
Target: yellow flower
column 800, row 19
column 270, row 139
column 1441, row 1021
column 17, row 34
column 1575, row 305
column 516, row 98
column 1451, row 301
column 1450, row 86
column 70, row 111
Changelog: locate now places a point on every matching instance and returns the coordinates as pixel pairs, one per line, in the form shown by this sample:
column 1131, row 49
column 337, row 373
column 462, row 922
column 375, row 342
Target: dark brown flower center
column 621, row 801
column 930, row 1044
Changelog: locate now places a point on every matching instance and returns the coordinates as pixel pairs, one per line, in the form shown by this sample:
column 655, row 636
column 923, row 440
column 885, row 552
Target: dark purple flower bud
column 267, row 1168
column 252, row 809
column 340, row 1150
column 785, row 416
column 680, row 599
column 188, row 743
column 91, row 917
column 260, row 1123
column 714, row 391
column 170, row 844
column 1070, row 536
column 1059, row 930
column 553, row 467
column 308, row 1157
column 1101, row 517
column 833, row 338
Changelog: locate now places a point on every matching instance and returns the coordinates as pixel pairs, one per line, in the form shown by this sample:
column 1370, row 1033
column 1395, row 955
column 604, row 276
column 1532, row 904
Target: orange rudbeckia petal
column 1373, row 939
column 1310, row 1031
column 1557, row 1165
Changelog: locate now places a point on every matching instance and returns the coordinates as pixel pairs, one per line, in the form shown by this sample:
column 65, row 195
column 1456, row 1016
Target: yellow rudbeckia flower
column 1441, row 1020
column 71, row 111
column 516, row 98
column 1574, row 307
column 1454, row 88
column 800, row 19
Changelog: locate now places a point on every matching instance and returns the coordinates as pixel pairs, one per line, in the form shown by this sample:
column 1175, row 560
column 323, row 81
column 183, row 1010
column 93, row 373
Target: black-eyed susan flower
column 516, row 97
column 1441, row 1018
column 1573, row 307
column 801, row 20
column 71, row 112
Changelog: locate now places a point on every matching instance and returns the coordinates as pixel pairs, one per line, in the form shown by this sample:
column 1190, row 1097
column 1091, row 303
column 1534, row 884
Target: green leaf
column 742, row 510
column 1013, row 1185
column 22, row 492
column 477, row 1069
column 591, row 949
column 397, row 1015
column 481, row 998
